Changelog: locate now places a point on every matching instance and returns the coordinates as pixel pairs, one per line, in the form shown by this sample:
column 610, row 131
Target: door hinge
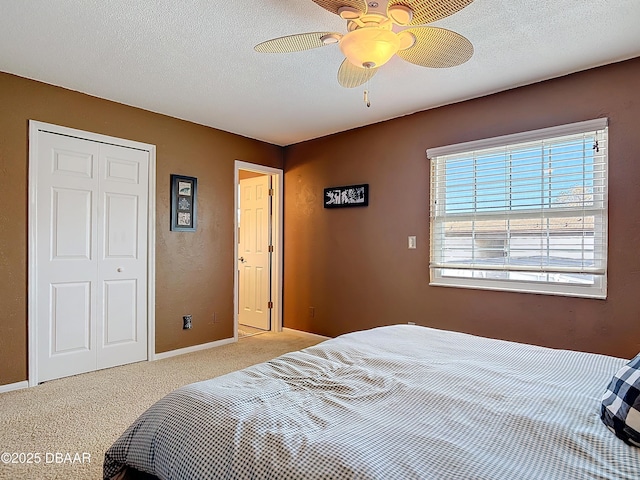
column 270, row 248
column 271, row 192
column 270, row 305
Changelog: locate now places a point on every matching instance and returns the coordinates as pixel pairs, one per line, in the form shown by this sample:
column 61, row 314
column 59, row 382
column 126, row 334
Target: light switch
column 412, row 241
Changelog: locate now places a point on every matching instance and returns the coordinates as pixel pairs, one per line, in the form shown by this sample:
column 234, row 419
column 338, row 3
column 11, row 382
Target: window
column 524, row 212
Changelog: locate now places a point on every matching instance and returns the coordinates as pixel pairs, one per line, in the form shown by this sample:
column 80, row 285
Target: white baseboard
column 14, row 386
column 300, row 332
column 195, row 348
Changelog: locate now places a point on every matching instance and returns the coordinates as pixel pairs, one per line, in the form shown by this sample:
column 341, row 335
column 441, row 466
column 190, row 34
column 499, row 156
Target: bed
column 396, row 402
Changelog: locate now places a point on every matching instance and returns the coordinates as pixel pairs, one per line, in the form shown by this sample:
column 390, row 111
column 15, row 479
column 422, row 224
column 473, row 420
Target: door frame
column 277, row 176
column 35, row 127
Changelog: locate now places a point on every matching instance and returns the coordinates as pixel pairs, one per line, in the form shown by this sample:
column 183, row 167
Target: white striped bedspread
column 397, row 402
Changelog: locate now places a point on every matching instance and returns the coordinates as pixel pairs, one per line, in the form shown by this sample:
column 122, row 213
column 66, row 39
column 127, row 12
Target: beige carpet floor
column 86, row 413
column 247, row 331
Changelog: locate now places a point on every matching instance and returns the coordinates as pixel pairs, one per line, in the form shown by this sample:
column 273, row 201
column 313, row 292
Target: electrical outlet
column 312, row 312
column 412, row 242
column 186, row 322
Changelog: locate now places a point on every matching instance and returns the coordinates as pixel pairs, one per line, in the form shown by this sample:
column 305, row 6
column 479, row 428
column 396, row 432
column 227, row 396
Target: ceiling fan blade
column 350, row 76
column 437, row 48
column 293, row 43
column 333, row 5
column 427, row 11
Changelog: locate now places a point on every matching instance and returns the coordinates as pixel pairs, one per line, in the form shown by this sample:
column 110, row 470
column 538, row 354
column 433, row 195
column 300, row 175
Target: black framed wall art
column 348, row 196
column 184, row 191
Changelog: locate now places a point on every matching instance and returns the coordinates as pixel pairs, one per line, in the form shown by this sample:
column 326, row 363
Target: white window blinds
column 525, row 212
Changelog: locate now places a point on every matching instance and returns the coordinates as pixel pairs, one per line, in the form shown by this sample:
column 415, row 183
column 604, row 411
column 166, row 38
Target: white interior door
column 91, row 255
column 254, row 257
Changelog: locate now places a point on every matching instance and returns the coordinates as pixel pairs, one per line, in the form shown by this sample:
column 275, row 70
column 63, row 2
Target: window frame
column 597, row 290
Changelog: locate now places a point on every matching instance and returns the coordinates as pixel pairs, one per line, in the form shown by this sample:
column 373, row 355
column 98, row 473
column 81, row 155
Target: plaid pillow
column 620, row 409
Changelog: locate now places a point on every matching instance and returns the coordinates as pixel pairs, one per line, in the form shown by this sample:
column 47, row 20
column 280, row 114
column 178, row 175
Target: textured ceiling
column 194, row 59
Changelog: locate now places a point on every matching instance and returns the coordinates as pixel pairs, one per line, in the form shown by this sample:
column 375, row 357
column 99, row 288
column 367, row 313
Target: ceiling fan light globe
column 369, row 46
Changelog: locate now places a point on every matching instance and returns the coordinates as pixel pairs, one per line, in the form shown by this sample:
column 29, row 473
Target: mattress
column 396, row 402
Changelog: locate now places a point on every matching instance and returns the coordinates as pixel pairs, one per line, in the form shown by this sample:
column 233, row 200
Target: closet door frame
column 35, row 127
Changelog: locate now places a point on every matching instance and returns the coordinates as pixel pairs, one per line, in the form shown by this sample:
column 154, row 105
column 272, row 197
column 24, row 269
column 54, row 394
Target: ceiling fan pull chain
column 366, row 94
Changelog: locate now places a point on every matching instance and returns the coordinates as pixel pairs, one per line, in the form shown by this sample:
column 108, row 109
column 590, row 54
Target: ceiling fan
column 378, row 30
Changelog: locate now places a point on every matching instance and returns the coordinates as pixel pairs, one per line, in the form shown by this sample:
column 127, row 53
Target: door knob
column 120, row 269
column 242, row 260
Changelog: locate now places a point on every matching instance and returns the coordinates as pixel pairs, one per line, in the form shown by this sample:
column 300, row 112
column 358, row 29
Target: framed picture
column 348, row 196
column 184, row 191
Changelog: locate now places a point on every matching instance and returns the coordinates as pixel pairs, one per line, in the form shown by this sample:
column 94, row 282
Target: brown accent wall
column 194, row 271
column 353, row 265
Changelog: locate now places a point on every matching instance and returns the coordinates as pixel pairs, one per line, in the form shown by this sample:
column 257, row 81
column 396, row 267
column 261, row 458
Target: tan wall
column 194, row 271
column 353, row 266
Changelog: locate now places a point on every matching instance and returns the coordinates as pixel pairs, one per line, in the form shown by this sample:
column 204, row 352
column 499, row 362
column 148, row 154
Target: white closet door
column 90, row 255
column 122, row 261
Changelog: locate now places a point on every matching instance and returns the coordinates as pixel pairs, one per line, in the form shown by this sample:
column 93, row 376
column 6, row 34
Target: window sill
column 523, row 287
